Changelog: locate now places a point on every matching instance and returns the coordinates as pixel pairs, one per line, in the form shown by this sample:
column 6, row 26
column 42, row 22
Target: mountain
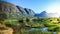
column 26, row 12
column 44, row 14
column 30, row 12
column 23, row 12
column 8, row 10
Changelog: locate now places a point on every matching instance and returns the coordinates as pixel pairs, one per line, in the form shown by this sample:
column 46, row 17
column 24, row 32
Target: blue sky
column 37, row 5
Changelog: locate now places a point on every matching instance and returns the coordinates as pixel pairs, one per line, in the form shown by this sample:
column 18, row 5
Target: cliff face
column 26, row 12
column 22, row 11
column 29, row 12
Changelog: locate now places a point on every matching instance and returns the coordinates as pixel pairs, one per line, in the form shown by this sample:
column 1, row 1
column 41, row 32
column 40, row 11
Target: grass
column 3, row 28
column 52, row 26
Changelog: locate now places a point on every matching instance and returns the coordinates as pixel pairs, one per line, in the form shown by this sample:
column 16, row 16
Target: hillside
column 44, row 14
column 18, row 20
column 10, row 15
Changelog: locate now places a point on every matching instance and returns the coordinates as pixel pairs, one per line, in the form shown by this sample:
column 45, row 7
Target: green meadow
column 34, row 25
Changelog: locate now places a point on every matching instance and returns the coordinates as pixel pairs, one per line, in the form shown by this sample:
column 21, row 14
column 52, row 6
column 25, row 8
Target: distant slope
column 44, row 14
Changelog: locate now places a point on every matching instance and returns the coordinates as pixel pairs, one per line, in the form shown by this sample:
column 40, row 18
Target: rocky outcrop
column 29, row 12
column 26, row 12
column 23, row 12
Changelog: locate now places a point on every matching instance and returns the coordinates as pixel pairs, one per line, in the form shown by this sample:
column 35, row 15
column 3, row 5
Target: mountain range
column 44, row 14
column 8, row 10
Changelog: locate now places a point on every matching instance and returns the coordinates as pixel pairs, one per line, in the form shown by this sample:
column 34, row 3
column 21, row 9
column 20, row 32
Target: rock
column 29, row 12
column 26, row 12
column 23, row 12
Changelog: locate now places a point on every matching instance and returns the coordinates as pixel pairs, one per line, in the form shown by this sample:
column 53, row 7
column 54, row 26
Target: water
column 44, row 29
column 39, row 29
column 54, row 32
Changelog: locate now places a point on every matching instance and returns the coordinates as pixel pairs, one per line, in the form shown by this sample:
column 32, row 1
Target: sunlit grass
column 52, row 26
